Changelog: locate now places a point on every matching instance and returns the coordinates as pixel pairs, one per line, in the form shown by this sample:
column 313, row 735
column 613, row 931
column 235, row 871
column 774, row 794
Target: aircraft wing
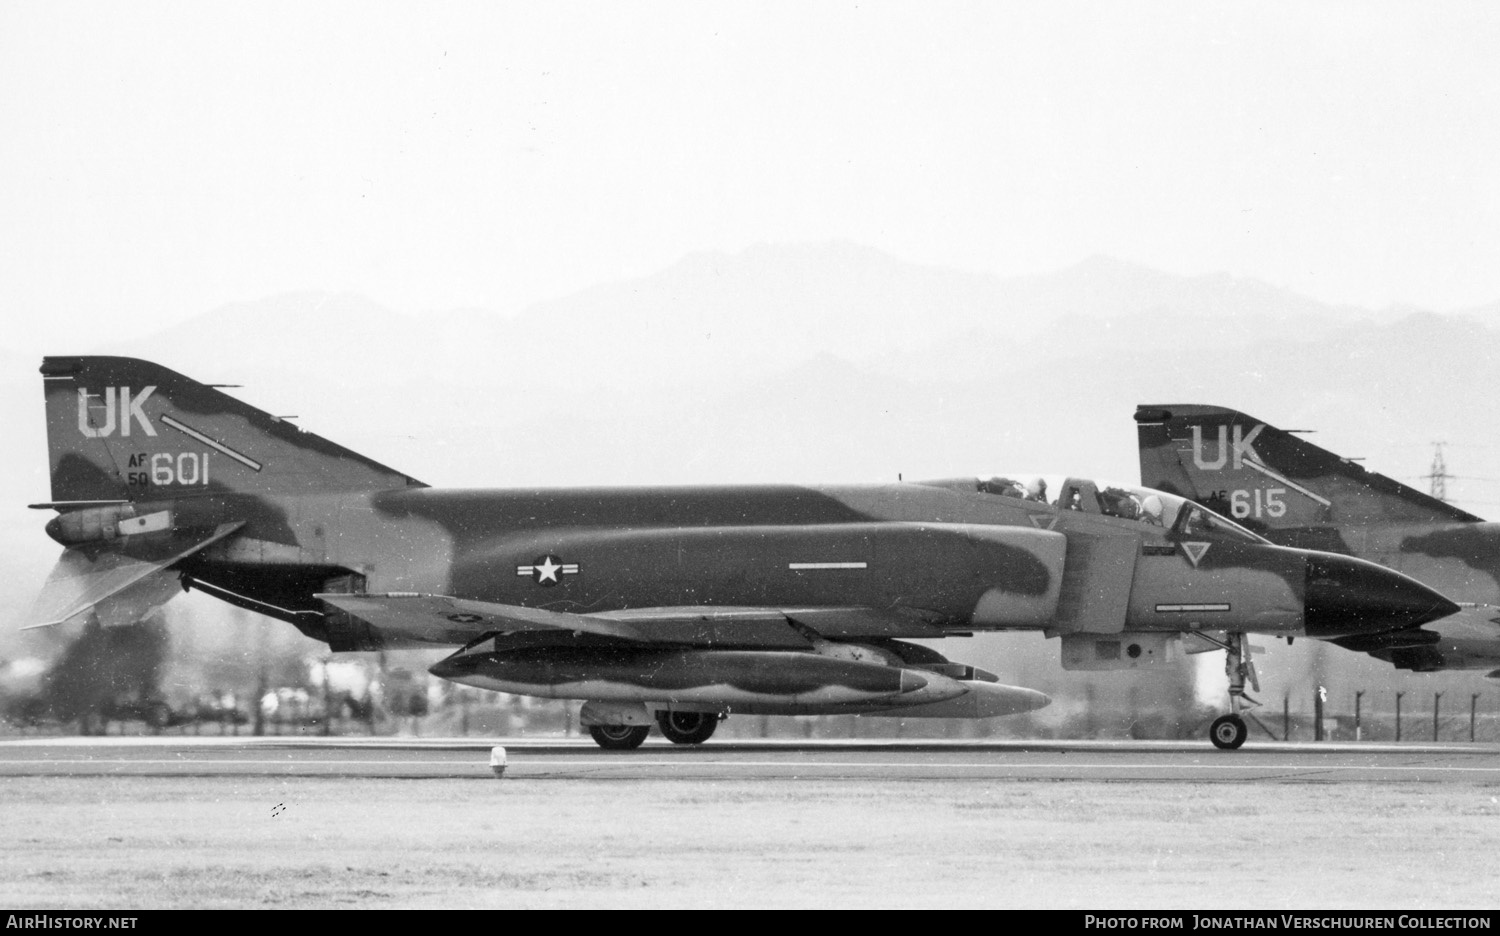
column 87, row 575
column 445, row 619
column 771, row 626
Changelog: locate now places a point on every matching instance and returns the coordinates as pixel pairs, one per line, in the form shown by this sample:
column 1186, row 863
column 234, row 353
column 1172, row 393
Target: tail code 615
column 1257, row 503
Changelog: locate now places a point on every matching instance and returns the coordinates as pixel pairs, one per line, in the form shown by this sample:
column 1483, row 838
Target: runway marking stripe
column 613, row 762
column 805, row 566
column 526, row 762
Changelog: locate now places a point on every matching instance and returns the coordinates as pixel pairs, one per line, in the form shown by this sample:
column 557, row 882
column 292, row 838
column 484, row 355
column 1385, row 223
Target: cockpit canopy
column 1125, row 501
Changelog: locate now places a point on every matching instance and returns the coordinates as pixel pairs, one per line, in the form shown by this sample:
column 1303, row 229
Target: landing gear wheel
column 687, row 727
column 1228, row 732
column 619, row 737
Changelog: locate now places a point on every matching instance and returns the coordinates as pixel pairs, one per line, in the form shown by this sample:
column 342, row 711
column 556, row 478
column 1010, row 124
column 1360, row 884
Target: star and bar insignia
column 548, row 570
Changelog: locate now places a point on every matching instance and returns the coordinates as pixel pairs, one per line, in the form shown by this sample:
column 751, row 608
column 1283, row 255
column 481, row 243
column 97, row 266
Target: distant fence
column 1385, row 716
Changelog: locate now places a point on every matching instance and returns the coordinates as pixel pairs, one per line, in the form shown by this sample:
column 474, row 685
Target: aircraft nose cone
column 1351, row 596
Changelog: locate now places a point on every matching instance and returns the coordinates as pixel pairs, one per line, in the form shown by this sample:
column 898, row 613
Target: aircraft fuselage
column 934, row 556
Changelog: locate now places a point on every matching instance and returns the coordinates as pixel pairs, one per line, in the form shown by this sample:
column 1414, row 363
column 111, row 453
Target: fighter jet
column 665, row 606
column 1297, row 494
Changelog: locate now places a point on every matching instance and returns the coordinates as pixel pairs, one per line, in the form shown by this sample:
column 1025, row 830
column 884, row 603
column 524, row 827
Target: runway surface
column 574, row 759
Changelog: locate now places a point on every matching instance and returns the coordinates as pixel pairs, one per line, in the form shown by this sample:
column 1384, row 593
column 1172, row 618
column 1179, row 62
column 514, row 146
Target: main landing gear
column 677, row 727
column 619, row 737
column 687, row 727
column 1228, row 732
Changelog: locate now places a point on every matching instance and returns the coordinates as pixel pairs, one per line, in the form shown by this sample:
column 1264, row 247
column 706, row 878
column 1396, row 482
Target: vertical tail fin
column 120, row 429
column 1270, row 479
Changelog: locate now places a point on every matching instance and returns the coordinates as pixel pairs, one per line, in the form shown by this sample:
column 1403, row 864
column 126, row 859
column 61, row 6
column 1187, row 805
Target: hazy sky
column 162, row 159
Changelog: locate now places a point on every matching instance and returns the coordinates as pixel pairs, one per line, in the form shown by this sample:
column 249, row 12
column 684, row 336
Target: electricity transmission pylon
column 1438, row 476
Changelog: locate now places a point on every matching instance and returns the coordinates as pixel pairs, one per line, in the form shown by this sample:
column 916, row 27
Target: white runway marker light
column 497, row 761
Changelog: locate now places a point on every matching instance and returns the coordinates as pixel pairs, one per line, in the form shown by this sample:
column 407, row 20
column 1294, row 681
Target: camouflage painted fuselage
column 906, row 560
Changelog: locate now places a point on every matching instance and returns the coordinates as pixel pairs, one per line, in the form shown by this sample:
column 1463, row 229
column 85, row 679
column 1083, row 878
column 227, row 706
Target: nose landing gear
column 1228, row 732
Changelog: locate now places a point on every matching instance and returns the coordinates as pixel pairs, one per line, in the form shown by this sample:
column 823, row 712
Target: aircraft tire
column 687, row 727
column 1228, row 732
column 619, row 737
